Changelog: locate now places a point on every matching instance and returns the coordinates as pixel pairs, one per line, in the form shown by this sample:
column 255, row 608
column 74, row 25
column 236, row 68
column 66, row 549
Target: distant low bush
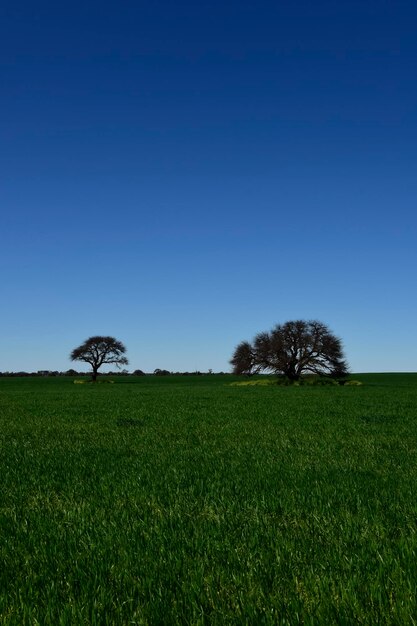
column 319, row 382
column 159, row 372
column 254, row 383
column 306, row 381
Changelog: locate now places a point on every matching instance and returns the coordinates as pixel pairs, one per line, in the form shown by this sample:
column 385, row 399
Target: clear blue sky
column 183, row 175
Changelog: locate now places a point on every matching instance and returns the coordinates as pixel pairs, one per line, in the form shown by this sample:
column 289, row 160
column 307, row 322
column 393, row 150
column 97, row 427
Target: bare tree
column 292, row 349
column 98, row 351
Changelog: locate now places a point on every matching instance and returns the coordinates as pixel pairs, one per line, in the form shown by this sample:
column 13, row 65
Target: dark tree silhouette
column 243, row 359
column 159, row 372
column 292, row 349
column 98, row 351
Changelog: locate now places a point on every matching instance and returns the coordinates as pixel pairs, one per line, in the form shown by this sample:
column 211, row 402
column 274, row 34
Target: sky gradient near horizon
column 184, row 175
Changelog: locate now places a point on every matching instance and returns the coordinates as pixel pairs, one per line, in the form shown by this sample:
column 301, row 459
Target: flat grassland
column 185, row 500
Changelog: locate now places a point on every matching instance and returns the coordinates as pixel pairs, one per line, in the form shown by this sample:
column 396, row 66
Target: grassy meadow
column 187, row 500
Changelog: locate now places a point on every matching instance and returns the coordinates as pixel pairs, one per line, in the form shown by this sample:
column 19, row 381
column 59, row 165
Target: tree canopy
column 292, row 349
column 98, row 351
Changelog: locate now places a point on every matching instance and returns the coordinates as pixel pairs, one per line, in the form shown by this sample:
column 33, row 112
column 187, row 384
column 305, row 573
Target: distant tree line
column 52, row 373
column 137, row 372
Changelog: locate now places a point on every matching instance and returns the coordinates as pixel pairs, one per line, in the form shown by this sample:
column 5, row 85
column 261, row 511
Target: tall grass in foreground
column 190, row 501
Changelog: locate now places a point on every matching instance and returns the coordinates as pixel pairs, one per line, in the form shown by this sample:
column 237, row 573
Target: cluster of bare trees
column 291, row 350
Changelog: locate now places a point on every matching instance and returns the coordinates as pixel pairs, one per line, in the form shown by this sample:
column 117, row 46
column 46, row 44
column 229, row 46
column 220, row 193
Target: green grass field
column 184, row 500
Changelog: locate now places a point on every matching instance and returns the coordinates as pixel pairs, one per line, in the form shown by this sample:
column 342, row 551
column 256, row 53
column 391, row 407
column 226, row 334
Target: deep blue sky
column 183, row 175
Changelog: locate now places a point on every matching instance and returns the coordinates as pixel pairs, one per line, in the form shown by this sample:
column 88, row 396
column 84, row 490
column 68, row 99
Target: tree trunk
column 292, row 374
column 94, row 376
